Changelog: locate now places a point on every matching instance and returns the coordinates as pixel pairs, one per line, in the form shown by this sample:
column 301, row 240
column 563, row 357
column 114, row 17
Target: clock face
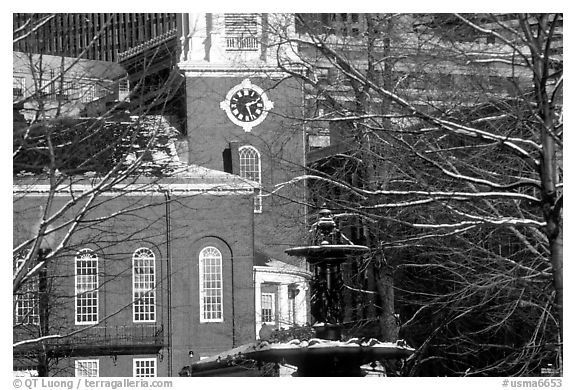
column 246, row 105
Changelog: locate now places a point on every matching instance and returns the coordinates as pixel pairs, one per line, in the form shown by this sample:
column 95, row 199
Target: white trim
column 153, row 367
column 135, row 190
column 26, row 300
column 150, row 292
column 78, row 370
column 282, row 271
column 221, row 70
column 272, row 297
column 92, row 281
column 19, row 82
column 257, row 194
column 202, row 289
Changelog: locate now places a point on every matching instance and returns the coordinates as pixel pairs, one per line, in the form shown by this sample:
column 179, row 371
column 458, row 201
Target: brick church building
column 171, row 279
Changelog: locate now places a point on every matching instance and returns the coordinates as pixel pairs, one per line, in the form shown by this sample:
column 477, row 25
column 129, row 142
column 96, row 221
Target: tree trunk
column 556, row 260
column 385, row 287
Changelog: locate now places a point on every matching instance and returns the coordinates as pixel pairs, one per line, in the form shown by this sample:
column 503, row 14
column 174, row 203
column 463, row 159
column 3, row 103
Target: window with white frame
column 18, row 87
column 47, row 88
column 268, row 308
column 87, row 368
column 26, row 303
column 144, row 367
column 210, row 263
column 86, row 284
column 144, row 285
column 250, row 168
column 241, row 31
column 87, row 93
column 71, row 90
column 123, row 90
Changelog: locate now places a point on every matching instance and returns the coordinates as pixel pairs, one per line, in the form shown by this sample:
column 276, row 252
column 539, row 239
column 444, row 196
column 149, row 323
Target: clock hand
column 249, row 112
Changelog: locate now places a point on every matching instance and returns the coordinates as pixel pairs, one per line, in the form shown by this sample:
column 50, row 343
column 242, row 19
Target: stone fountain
column 326, row 354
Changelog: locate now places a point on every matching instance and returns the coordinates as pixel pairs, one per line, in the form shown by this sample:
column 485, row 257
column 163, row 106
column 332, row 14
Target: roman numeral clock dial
column 246, row 105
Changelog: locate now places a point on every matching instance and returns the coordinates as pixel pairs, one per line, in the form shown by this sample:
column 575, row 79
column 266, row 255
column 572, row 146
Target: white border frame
column 258, row 192
column 201, row 289
column 77, row 363
column 134, row 368
column 152, row 291
column 247, row 126
column 273, row 296
column 96, row 290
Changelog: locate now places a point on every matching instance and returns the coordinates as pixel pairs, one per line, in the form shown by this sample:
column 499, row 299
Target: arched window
column 210, row 275
column 250, row 168
column 144, row 285
column 86, row 286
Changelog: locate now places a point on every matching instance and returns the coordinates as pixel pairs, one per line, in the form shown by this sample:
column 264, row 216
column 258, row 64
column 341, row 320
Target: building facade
column 144, row 44
column 135, row 294
column 281, row 294
column 148, row 292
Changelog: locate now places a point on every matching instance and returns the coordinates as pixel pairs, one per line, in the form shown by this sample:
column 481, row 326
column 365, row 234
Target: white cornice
column 194, row 69
column 214, row 71
column 135, row 189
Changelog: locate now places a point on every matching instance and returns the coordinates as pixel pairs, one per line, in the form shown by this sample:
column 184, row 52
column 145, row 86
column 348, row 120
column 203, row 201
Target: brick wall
column 196, row 220
column 279, row 139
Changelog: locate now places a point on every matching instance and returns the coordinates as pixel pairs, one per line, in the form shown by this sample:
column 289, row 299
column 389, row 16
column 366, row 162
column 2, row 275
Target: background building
column 86, row 88
column 145, row 44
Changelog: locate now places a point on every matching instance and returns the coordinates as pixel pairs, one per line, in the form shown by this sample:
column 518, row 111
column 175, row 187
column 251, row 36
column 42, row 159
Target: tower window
column 250, row 168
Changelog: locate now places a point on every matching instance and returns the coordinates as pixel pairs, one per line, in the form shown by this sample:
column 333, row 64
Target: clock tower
column 242, row 115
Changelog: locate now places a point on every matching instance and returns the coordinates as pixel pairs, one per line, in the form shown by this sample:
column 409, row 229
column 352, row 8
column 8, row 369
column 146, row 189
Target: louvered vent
column 241, row 32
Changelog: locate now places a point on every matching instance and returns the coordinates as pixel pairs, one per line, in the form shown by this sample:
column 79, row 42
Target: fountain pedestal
column 327, row 355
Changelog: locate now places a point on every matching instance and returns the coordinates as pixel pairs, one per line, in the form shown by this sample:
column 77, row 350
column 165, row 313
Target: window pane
column 86, row 368
column 268, row 307
column 210, row 284
column 143, row 285
column 86, row 281
column 144, row 367
column 250, row 169
column 26, row 303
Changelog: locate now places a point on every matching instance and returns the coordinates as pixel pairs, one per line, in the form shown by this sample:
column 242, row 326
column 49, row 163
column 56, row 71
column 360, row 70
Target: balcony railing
column 119, row 339
column 242, row 43
column 119, row 335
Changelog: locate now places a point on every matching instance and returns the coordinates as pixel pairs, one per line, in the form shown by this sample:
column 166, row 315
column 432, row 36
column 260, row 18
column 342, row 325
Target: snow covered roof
column 158, row 167
column 184, row 180
column 266, row 264
column 274, row 266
